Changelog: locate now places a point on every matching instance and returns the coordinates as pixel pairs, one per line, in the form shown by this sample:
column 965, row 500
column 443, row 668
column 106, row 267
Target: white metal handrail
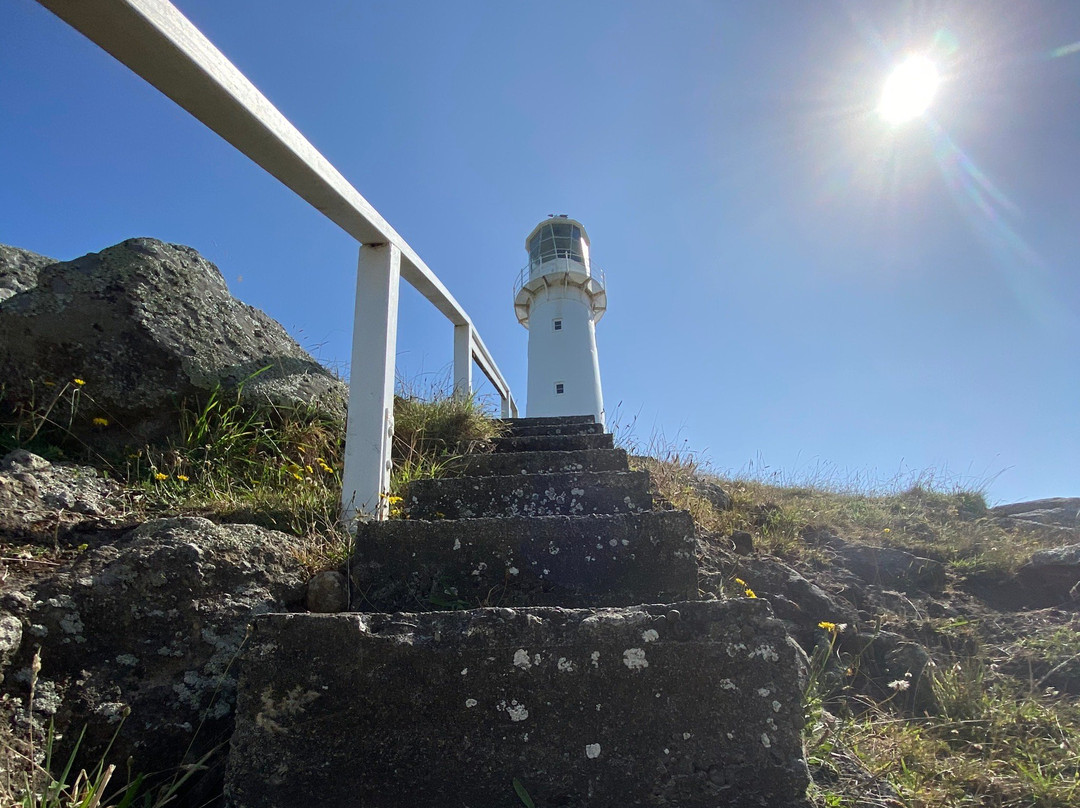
column 159, row 44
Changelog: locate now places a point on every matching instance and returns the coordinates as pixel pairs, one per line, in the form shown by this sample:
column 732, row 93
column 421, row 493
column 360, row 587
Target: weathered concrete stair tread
column 498, row 464
column 689, row 704
column 554, row 443
column 575, row 561
column 556, row 429
column 576, row 493
column 549, row 420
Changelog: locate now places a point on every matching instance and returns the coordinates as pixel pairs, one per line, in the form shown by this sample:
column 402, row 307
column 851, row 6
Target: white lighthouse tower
column 559, row 296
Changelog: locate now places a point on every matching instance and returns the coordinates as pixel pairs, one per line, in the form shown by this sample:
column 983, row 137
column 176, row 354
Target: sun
column 909, row 90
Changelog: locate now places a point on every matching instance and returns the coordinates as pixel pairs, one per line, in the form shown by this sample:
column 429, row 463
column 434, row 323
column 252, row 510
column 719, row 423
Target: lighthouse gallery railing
column 158, row 43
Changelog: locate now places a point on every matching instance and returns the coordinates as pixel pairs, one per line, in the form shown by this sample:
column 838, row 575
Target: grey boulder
column 1052, row 576
column 147, row 325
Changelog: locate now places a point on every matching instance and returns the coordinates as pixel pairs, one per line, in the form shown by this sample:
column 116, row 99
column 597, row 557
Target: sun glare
column 909, row 90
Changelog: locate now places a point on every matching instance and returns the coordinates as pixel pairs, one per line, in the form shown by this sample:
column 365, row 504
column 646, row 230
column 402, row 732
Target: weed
column 522, row 794
column 431, row 435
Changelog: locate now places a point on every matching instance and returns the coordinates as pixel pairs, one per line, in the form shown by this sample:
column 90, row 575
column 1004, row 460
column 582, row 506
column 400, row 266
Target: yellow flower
column 78, row 382
column 740, row 582
column 309, row 469
column 887, row 530
column 101, row 422
column 825, row 624
column 750, row 593
column 160, row 476
column 297, row 476
column 181, row 478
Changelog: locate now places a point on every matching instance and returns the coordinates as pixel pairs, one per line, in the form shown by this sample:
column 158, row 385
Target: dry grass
column 949, row 524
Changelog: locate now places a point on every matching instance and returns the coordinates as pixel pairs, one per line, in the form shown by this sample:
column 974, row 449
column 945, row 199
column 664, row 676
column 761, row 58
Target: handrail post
column 463, row 360
column 370, row 426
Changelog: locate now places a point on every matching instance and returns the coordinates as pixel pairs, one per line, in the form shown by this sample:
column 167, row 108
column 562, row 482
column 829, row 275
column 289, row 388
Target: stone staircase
column 499, row 638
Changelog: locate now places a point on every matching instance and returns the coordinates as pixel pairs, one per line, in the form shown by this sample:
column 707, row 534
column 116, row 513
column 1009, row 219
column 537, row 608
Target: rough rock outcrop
column 1052, row 576
column 19, row 270
column 888, row 566
column 152, row 623
column 794, row 599
column 146, row 325
column 37, row 497
column 1054, row 511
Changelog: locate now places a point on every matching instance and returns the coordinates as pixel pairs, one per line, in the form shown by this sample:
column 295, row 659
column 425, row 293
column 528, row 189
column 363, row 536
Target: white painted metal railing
column 162, row 46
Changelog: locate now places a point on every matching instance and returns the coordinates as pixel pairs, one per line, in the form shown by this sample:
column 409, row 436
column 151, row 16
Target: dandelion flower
column 750, row 593
column 309, row 469
column 78, row 382
column 181, row 478
column 160, row 476
column 740, row 582
column 828, row 626
column 100, row 422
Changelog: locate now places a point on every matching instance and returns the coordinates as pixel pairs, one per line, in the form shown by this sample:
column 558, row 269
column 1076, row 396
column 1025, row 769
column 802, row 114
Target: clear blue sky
column 793, row 283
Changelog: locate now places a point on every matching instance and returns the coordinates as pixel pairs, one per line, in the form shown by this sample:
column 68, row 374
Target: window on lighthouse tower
column 556, row 324
column 559, row 388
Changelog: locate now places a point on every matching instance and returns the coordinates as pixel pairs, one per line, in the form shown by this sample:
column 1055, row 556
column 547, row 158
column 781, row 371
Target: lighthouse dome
column 555, row 238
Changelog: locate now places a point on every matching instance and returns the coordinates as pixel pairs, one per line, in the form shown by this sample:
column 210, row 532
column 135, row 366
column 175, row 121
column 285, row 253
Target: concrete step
column 407, row 565
column 550, row 420
column 694, row 705
column 553, row 443
column 569, row 494
column 556, row 429
column 496, row 464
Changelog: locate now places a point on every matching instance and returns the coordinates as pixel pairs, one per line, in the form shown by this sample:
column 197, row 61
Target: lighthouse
column 559, row 296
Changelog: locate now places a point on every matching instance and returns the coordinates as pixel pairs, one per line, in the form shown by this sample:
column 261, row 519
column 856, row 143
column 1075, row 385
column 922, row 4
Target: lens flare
column 909, row 90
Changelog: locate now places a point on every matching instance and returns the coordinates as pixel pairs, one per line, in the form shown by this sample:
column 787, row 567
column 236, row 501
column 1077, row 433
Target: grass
column 432, row 433
column 992, row 744
column 925, row 516
column 276, row 468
